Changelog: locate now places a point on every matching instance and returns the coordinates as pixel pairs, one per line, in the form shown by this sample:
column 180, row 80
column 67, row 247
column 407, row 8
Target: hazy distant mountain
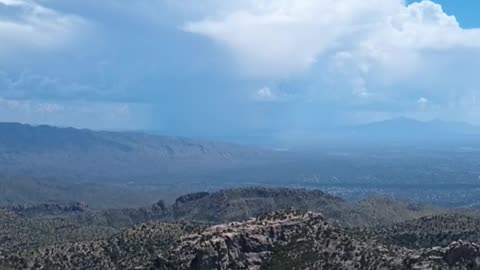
column 408, row 125
column 79, row 154
column 395, row 130
column 407, row 128
column 21, row 137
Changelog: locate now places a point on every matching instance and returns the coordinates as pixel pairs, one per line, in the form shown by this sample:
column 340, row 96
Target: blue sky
column 466, row 12
column 224, row 68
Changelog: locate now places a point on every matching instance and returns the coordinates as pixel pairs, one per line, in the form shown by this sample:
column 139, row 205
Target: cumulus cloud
column 280, row 37
column 284, row 37
column 366, row 56
column 28, row 24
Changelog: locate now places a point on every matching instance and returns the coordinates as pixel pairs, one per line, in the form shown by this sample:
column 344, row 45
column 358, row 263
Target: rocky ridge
column 49, row 209
column 241, row 229
column 295, row 240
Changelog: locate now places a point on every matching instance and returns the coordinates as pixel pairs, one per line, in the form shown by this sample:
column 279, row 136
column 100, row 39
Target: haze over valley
column 432, row 164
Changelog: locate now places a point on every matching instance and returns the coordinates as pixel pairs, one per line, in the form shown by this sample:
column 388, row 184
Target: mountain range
column 82, row 155
column 54, row 146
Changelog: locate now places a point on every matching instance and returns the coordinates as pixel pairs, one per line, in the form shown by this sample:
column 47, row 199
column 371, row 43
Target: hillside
column 243, row 203
column 427, row 231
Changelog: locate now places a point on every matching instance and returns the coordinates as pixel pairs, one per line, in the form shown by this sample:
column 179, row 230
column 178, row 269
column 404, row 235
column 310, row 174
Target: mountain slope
column 428, row 231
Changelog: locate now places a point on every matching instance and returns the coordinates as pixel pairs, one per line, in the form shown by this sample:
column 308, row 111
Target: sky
column 237, row 68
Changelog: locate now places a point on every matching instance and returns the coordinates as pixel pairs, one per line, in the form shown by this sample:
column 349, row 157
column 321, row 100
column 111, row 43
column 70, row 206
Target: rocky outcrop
column 49, row 208
column 298, row 240
column 191, row 197
column 243, row 245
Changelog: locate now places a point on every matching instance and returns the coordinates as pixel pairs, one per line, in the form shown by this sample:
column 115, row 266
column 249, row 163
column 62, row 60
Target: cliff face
column 245, row 245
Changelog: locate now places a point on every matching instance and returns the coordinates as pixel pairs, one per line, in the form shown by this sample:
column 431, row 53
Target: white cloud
column 281, row 37
column 31, row 25
column 278, row 38
column 265, row 94
column 422, row 101
column 365, row 56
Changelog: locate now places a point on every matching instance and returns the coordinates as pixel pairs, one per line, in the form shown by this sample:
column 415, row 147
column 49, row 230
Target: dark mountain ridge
column 232, row 205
